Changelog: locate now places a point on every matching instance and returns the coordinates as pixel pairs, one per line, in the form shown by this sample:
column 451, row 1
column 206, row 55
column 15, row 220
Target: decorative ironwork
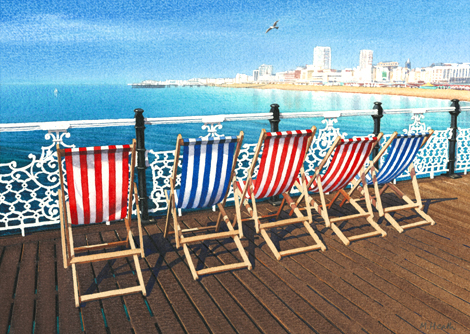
column 463, row 150
column 212, row 124
column 28, row 194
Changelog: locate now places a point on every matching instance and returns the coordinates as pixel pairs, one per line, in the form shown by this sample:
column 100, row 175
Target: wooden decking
column 414, row 282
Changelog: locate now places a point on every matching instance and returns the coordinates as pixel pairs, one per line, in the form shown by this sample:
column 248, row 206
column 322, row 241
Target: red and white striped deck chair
column 207, row 171
column 348, row 159
column 100, row 188
column 281, row 161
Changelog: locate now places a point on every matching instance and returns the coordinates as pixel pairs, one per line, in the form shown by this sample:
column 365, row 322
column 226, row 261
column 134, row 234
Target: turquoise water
column 37, row 103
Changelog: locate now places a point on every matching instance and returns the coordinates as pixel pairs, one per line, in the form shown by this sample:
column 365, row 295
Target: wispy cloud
column 60, row 28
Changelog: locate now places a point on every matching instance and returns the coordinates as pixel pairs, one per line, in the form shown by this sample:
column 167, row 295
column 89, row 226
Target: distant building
column 265, row 70
column 322, row 57
column 255, row 75
column 456, row 73
column 365, row 59
column 389, row 64
column 242, row 78
column 408, row 64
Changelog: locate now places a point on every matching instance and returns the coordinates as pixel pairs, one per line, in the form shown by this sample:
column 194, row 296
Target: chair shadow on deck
column 408, row 216
column 221, row 251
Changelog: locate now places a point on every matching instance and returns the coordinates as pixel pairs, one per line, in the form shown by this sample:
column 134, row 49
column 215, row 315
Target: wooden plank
column 8, row 275
column 140, row 317
column 252, row 312
column 69, row 317
column 380, row 311
column 182, row 305
column 92, row 316
column 383, row 268
column 268, row 288
column 46, row 313
column 213, row 317
column 432, row 283
column 166, row 318
column 116, row 317
column 350, row 296
column 23, row 309
column 421, row 258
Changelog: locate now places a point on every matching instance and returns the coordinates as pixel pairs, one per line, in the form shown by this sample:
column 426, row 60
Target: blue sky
column 123, row 41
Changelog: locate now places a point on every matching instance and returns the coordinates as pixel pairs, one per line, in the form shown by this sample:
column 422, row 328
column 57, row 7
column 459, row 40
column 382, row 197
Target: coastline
column 443, row 94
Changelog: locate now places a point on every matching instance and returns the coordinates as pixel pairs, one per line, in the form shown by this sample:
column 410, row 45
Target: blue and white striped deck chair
column 402, row 150
column 207, row 172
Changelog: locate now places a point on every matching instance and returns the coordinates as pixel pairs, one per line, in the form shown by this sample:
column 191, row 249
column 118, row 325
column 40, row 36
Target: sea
column 24, row 103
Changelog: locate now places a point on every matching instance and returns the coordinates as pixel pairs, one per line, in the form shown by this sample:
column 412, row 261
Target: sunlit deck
column 413, row 282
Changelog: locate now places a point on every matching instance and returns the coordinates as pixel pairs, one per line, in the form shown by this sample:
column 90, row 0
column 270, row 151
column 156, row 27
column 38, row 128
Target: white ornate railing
column 28, row 194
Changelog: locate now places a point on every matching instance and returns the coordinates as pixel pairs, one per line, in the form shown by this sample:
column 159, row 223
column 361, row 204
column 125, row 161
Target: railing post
column 275, row 200
column 453, row 140
column 378, row 107
column 276, row 117
column 140, row 138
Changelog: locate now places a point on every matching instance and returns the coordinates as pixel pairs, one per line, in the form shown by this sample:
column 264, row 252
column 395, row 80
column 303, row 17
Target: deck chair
column 207, row 171
column 402, row 150
column 100, row 188
column 348, row 160
column 280, row 163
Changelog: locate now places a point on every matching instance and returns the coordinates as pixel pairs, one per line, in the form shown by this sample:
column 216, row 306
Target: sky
column 125, row 41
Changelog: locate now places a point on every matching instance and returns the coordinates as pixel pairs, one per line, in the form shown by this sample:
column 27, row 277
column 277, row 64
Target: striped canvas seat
column 207, row 170
column 401, row 153
column 281, row 157
column 348, row 157
column 402, row 150
column 100, row 185
column 281, row 160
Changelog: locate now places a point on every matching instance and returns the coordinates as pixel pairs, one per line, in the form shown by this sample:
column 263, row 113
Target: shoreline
column 443, row 94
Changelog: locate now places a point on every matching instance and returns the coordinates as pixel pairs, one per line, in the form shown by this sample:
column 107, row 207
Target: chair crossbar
column 104, row 256
column 100, row 246
column 365, row 235
column 107, row 294
column 221, row 268
column 299, row 250
column 211, row 236
column 401, row 207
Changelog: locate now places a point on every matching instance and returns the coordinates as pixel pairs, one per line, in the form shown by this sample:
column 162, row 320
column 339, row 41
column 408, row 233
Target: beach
column 444, row 94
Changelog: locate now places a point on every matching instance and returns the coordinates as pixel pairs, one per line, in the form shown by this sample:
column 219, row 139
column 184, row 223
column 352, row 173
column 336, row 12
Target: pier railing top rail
column 62, row 126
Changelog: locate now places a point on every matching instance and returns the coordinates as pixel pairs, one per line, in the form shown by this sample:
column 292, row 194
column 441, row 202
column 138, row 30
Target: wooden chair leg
column 270, row 244
column 76, row 288
column 137, row 265
column 190, row 262
column 168, row 212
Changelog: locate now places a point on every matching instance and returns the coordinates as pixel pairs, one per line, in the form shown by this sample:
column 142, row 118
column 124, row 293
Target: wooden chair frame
column 181, row 240
column 323, row 207
column 240, row 199
column 69, row 251
column 410, row 204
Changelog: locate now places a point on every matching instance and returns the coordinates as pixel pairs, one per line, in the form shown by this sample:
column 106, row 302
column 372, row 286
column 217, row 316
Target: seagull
column 273, row 26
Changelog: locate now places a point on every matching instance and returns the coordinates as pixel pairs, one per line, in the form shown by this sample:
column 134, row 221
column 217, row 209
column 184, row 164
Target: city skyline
column 122, row 42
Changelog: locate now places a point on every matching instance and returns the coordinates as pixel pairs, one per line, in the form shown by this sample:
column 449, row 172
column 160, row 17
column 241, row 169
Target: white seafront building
column 322, row 57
